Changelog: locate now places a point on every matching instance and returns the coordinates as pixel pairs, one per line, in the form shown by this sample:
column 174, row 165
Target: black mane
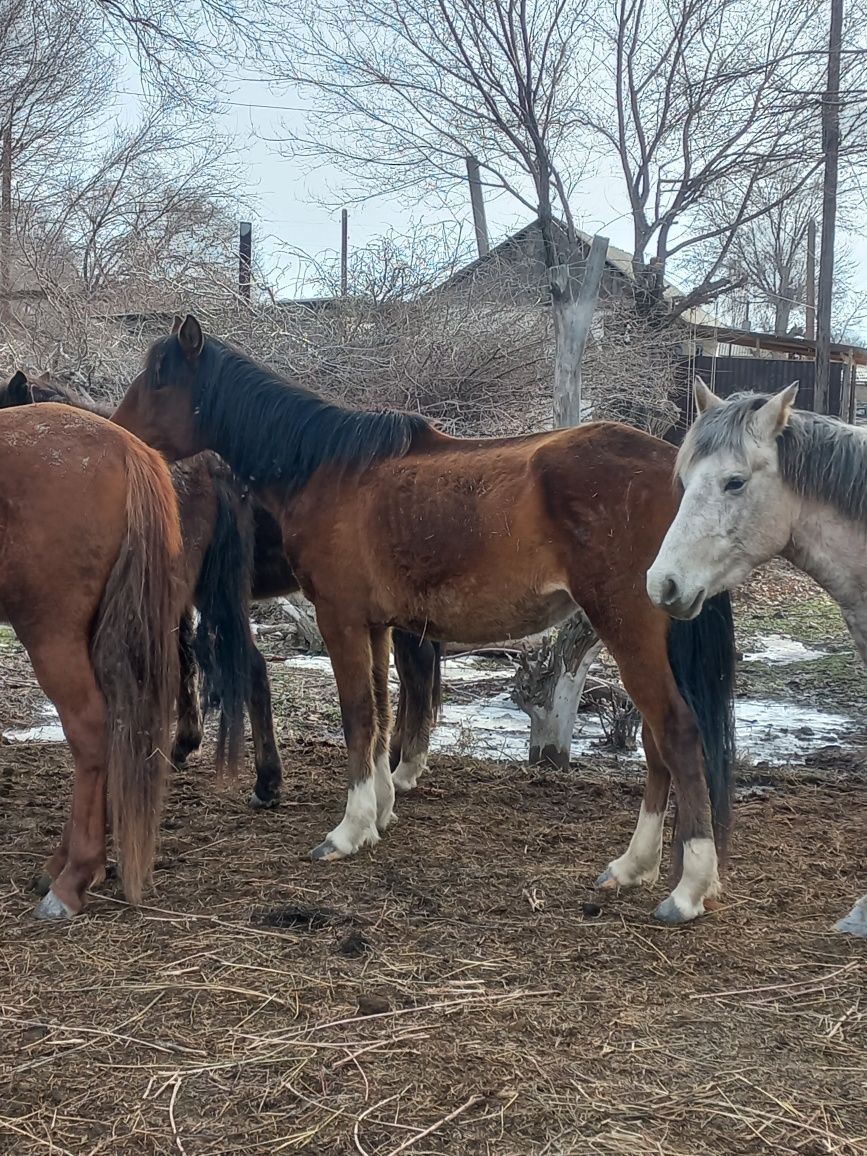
column 273, row 431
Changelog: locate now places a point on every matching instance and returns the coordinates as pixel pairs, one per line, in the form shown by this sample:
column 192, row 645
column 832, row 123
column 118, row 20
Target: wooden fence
column 728, row 375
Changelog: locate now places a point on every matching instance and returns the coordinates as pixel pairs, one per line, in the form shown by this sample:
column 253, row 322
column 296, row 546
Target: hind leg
column 416, row 661
column 395, row 743
column 349, row 646
column 637, row 637
column 640, row 862
column 380, row 648
column 190, row 732
column 269, row 768
column 65, row 674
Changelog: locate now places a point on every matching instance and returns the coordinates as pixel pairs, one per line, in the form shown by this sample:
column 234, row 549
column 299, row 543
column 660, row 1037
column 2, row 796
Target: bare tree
column 189, row 51
column 767, row 258
column 696, row 98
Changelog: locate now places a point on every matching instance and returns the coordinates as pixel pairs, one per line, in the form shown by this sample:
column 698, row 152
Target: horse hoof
column 53, row 908
column 606, row 881
column 258, row 804
column 326, row 852
column 385, row 822
column 670, row 912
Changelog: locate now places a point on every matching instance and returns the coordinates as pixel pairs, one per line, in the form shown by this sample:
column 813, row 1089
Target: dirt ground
column 457, row 990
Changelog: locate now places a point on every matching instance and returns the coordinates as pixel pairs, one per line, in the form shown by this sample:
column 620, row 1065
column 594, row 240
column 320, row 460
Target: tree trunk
column 303, row 617
column 549, row 685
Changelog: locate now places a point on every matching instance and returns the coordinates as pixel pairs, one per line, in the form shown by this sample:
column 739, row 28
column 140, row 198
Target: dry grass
column 453, row 991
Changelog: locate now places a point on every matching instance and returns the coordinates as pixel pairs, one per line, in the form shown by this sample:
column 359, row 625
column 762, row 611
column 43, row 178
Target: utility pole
column 831, row 150
column 245, row 259
column 478, row 202
column 810, row 304
column 344, row 252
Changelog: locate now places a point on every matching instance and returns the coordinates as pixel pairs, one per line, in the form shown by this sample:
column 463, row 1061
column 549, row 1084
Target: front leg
column 349, row 647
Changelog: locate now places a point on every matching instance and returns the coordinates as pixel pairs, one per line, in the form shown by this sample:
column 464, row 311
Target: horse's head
column 736, row 511
column 159, row 405
column 17, row 392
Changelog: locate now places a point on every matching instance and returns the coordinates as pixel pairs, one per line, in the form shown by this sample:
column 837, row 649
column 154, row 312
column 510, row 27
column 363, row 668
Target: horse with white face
column 761, row 479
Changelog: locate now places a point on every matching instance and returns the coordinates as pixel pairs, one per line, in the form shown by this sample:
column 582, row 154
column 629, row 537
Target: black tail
column 436, row 694
column 223, row 638
column 702, row 657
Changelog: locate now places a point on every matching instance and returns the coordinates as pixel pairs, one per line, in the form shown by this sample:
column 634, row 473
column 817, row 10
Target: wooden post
column 478, row 202
column 849, row 414
column 831, row 149
column 245, row 259
column 573, row 317
column 810, row 303
column 6, row 224
column 344, row 252
column 549, row 686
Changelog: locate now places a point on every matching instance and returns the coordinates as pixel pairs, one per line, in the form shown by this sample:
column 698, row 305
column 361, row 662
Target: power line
column 232, row 103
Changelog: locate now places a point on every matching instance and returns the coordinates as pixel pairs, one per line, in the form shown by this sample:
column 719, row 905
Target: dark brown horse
column 90, row 544
column 388, row 522
column 234, row 551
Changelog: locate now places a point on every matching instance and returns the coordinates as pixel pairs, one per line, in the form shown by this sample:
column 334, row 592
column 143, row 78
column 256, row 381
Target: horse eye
column 735, row 485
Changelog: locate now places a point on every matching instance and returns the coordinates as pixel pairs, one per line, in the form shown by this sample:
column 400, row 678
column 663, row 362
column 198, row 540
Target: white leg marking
column 640, row 861
column 855, row 923
column 384, row 786
column 357, row 829
column 699, row 881
column 408, row 772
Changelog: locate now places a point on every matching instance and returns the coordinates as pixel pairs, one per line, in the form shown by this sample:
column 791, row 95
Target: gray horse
column 762, row 479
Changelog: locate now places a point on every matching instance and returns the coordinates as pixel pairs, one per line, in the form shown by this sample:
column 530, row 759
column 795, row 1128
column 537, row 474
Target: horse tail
column 436, row 697
column 223, row 639
column 134, row 656
column 702, row 657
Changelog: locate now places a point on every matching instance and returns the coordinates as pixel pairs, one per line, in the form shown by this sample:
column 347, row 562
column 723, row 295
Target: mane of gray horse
column 820, row 457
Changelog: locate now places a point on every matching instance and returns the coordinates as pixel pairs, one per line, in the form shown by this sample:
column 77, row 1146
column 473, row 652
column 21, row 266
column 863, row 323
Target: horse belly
column 455, row 616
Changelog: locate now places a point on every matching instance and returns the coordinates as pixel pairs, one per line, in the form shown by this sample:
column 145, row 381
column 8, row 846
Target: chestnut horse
column 234, row 551
column 91, row 541
column 388, row 522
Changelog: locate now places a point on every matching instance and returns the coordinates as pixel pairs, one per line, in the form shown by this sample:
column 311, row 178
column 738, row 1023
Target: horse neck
column 832, row 549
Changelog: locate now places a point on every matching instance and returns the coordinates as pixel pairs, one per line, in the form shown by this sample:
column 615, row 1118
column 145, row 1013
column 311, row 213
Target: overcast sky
column 293, row 209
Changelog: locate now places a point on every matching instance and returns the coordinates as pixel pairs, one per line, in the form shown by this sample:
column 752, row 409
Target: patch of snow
column 48, row 732
column 778, row 650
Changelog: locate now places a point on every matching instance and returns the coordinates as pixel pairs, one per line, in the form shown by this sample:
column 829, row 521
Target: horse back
column 63, row 483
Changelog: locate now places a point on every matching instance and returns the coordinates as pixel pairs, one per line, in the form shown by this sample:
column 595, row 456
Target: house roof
column 617, row 260
column 802, row 347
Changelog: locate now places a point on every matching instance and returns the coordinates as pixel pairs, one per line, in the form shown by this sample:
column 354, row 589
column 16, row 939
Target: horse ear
column 17, row 390
column 43, row 379
column 191, row 337
column 774, row 415
column 705, row 399
column 176, row 324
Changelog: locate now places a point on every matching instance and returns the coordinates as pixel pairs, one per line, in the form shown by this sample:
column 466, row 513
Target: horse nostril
column 669, row 592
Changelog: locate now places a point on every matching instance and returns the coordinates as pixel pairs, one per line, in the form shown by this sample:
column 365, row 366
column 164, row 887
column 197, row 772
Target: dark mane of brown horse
column 274, row 431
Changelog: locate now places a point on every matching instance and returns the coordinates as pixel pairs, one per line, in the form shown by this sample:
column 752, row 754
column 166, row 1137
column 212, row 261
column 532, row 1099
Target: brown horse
column 90, row 545
column 388, row 522
column 234, row 551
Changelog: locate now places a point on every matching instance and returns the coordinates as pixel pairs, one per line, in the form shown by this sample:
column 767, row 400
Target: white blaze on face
column 736, row 512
